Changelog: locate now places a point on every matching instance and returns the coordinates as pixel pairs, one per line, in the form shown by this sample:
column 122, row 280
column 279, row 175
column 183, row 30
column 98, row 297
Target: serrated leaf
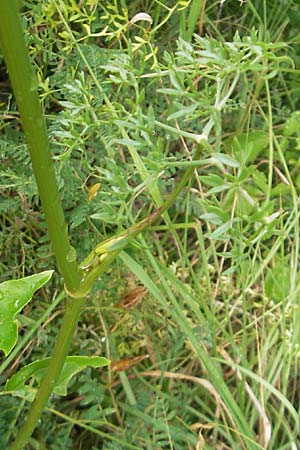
column 128, row 142
column 247, row 146
column 277, row 281
column 219, row 232
column 72, row 365
column 212, row 180
column 14, row 295
column 226, row 160
column 183, row 111
column 218, row 189
column 292, row 124
column 212, row 218
column 216, row 211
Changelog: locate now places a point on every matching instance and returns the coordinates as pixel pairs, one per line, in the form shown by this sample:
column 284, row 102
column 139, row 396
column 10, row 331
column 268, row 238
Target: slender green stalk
column 106, row 252
column 24, row 85
column 193, row 18
column 188, row 24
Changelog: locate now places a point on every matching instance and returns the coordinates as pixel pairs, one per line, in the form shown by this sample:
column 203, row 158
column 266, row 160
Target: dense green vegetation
column 200, row 313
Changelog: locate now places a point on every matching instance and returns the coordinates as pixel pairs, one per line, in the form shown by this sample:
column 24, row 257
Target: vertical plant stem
column 24, row 84
column 192, row 19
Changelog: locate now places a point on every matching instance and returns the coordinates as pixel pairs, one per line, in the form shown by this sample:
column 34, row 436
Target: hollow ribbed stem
column 24, row 84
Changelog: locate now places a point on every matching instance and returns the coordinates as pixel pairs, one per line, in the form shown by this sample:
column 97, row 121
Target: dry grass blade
column 203, row 382
column 132, row 298
column 126, row 363
column 265, row 427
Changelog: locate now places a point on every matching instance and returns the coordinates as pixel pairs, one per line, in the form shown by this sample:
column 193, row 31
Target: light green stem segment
column 24, row 84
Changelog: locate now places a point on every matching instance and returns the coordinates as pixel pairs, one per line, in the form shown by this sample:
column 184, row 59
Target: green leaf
column 219, row 232
column 212, row 180
column 72, row 365
column 14, row 295
column 183, row 111
column 247, row 146
column 278, row 280
column 226, row 160
column 292, row 124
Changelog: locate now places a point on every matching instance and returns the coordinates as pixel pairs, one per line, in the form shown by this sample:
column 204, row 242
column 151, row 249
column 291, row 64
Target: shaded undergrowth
column 215, row 284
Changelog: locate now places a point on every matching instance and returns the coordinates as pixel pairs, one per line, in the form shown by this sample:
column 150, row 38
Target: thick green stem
column 24, row 84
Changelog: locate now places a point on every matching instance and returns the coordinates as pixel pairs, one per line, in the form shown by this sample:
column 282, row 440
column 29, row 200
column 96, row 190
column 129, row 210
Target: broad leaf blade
column 36, row 369
column 73, row 365
column 14, row 295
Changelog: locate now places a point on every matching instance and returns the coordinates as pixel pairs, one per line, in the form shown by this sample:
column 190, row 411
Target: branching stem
column 24, row 84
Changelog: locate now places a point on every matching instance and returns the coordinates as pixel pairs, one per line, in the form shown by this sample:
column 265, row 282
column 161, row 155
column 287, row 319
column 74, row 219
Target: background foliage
column 124, row 105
